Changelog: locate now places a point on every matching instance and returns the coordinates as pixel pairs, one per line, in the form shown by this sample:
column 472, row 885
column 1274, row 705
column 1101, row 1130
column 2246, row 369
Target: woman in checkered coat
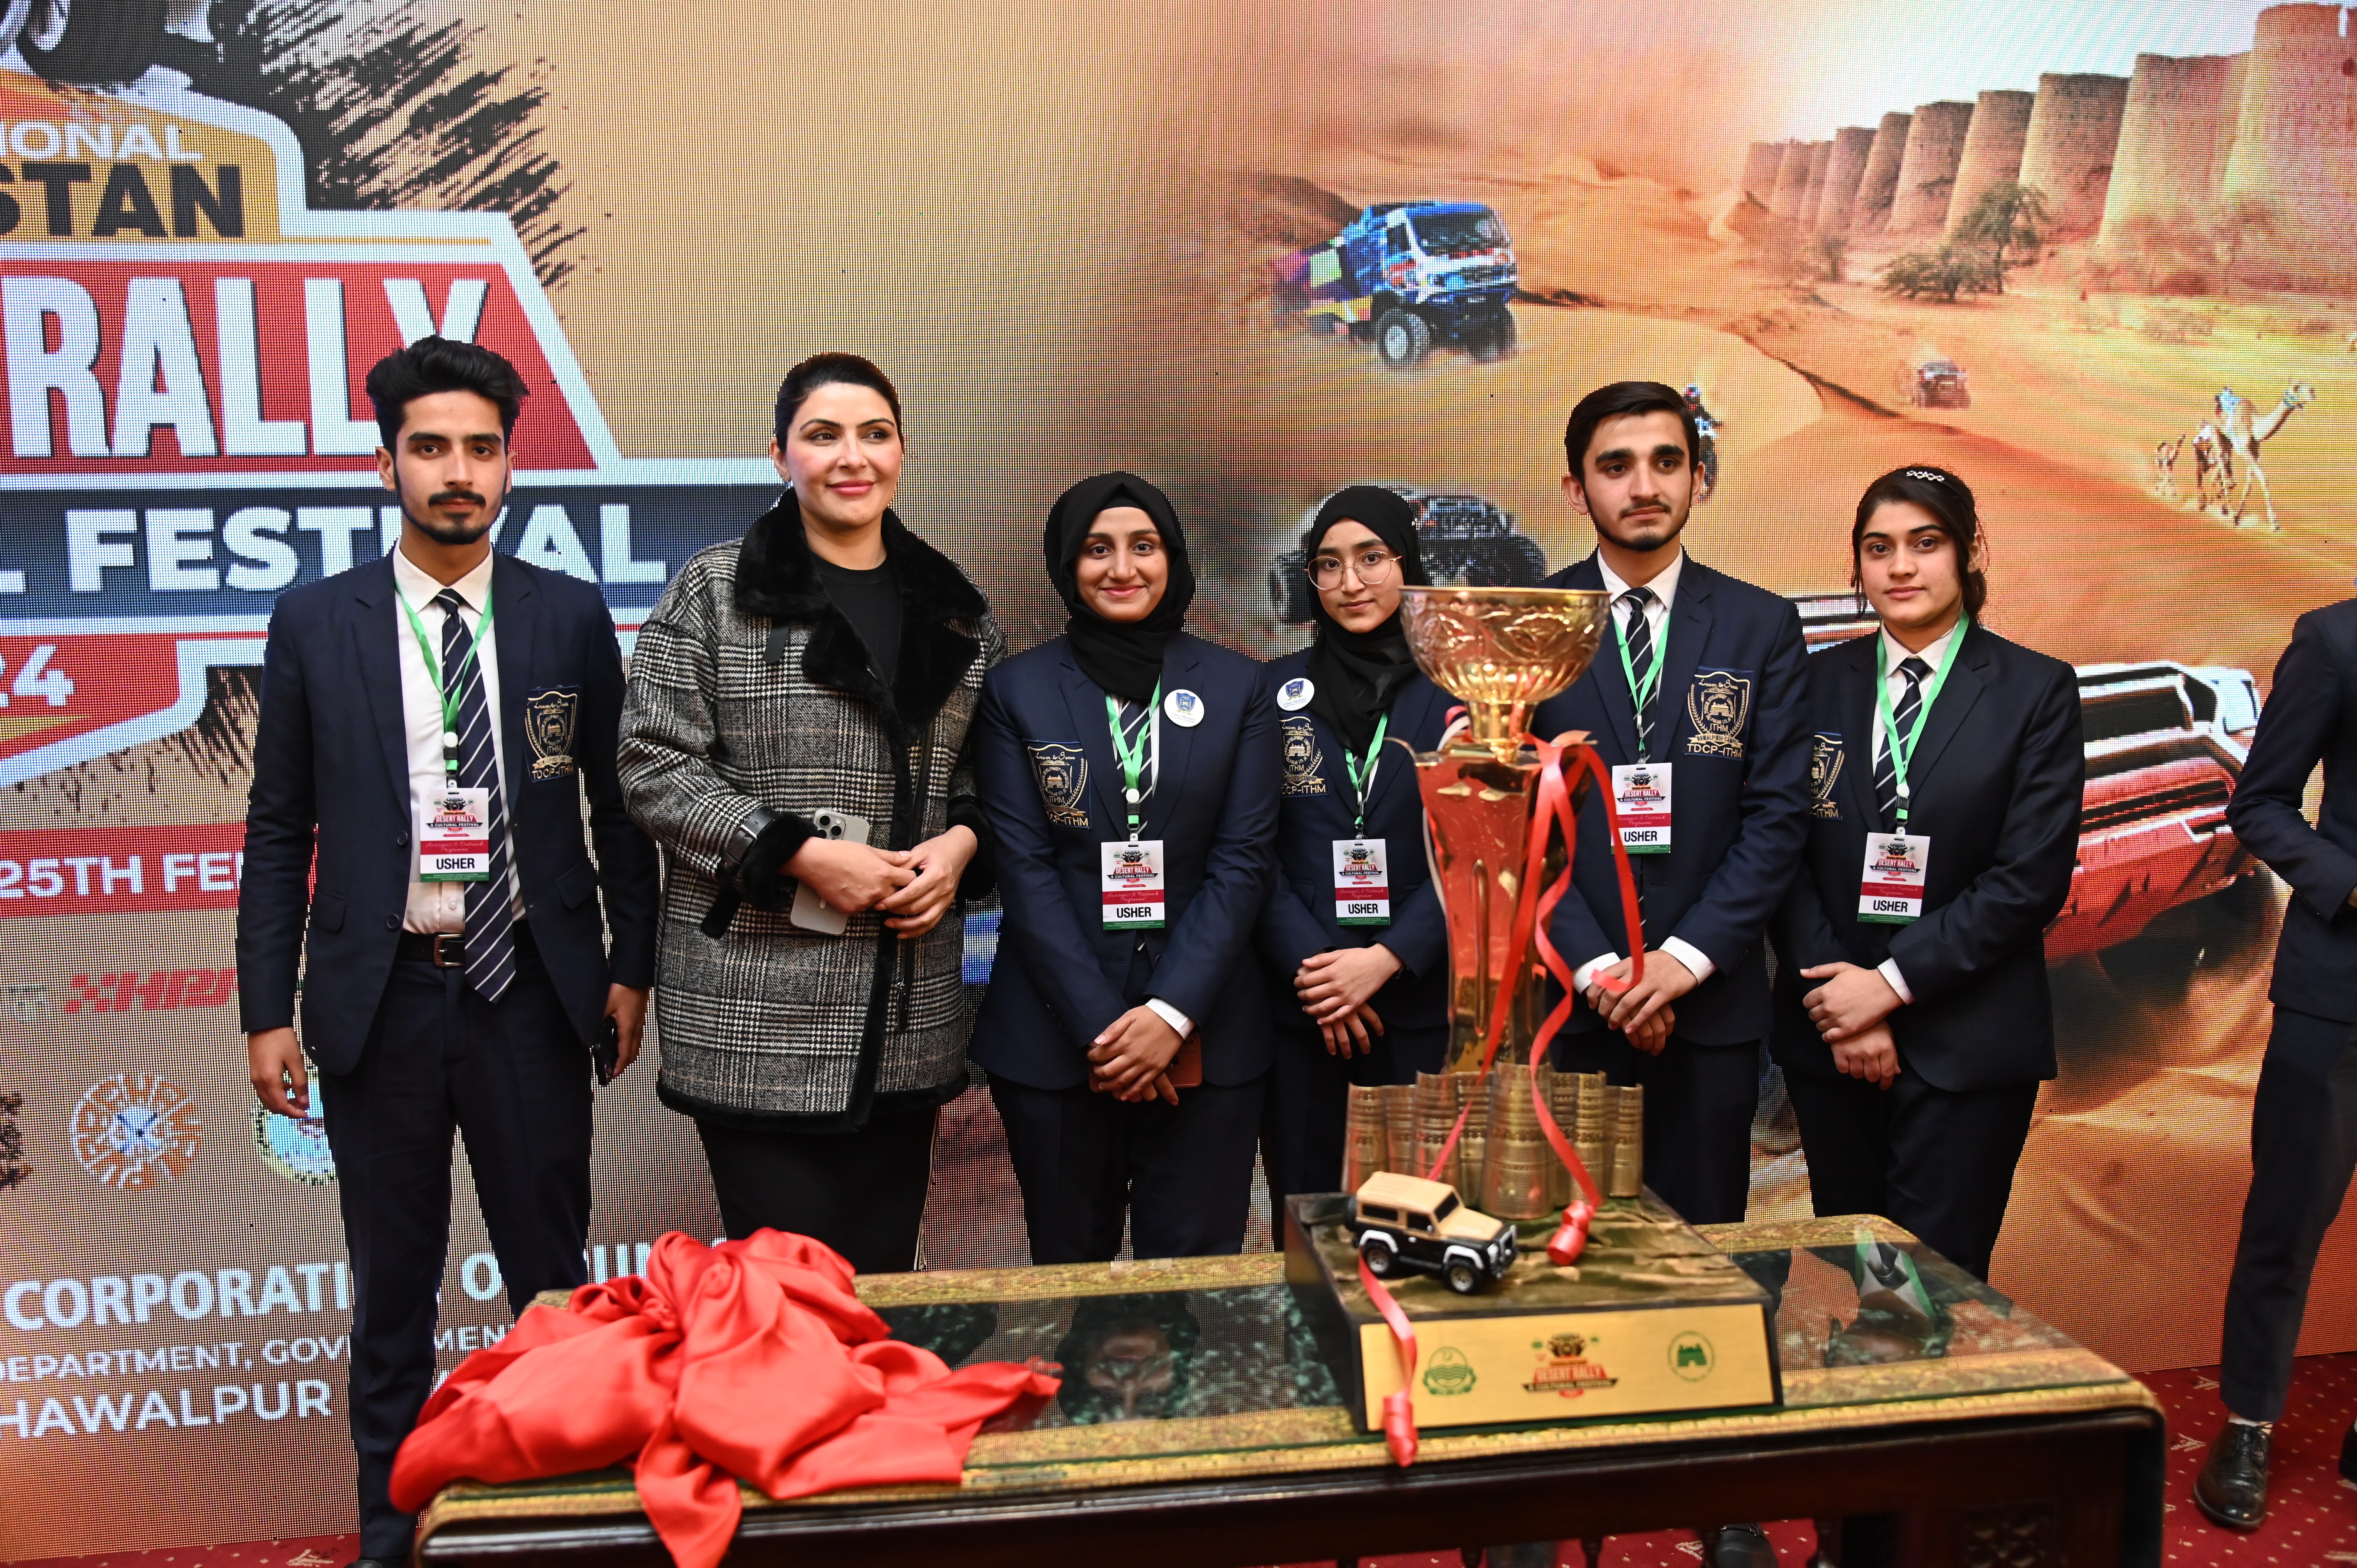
column 791, row 687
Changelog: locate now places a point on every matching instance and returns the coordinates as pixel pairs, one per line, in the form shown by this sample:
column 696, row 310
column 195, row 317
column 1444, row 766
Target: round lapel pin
column 1294, row 695
column 1183, row 708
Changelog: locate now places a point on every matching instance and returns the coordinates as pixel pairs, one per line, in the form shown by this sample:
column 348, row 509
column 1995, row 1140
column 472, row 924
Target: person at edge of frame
column 429, row 721
column 1358, row 996
column 1913, row 1040
column 1130, row 772
column 1696, row 695
column 2304, row 1119
column 796, row 740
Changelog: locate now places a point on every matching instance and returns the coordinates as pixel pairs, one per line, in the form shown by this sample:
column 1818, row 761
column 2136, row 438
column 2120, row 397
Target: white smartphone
column 811, row 912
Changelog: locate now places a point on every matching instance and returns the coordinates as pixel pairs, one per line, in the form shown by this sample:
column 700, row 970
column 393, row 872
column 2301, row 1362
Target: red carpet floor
column 2311, row 1523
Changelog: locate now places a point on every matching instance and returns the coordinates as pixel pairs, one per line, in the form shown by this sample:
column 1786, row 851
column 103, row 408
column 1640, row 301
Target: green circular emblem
column 1690, row 1356
column 1448, row 1373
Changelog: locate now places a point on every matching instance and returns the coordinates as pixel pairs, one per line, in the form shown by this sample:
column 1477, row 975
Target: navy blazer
column 1998, row 780
column 1729, row 719
column 1044, row 765
column 1316, row 805
column 331, row 766
column 2310, row 717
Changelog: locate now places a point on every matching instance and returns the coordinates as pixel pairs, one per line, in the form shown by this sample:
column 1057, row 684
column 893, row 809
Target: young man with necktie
column 428, row 722
column 1694, row 702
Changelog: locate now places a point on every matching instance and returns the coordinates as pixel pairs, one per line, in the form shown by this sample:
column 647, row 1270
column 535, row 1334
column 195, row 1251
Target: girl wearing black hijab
column 1128, row 772
column 1351, row 937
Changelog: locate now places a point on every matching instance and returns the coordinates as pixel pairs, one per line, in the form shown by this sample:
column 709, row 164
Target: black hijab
column 1355, row 674
column 1124, row 658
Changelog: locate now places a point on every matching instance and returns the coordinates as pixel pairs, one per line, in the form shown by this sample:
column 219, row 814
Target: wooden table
column 1992, row 1437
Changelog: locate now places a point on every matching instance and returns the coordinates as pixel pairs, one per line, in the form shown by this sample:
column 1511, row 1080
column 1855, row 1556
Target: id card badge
column 1132, row 876
column 1362, row 894
column 454, row 841
column 1891, row 889
column 1640, row 801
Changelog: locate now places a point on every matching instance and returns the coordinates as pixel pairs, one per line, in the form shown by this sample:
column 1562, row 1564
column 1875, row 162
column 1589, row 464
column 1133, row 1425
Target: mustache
column 442, row 497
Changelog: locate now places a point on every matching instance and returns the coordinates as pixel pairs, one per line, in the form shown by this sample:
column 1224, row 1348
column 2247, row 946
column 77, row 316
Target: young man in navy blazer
column 428, row 722
column 1720, row 663
column 2304, row 1122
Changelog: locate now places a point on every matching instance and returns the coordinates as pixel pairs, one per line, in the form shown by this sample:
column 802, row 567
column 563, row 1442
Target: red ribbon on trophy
column 1531, row 910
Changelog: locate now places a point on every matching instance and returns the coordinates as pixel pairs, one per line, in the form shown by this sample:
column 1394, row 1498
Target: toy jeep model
column 1406, row 1222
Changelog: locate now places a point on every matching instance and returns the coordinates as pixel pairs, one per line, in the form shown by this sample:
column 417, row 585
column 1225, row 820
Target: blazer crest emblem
column 549, row 718
column 1825, row 757
column 1717, row 703
column 1063, row 775
column 1304, row 763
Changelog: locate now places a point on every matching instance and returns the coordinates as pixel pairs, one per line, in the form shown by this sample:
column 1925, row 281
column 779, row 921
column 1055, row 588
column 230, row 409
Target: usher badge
column 548, row 721
column 1063, row 775
column 1304, row 763
column 1826, row 757
column 1716, row 705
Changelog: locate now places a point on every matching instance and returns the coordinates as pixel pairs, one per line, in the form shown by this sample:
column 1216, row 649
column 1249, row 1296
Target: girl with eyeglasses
column 1127, row 771
column 1351, row 937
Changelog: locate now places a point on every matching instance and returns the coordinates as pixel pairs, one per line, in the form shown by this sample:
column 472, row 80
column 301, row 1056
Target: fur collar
column 776, row 580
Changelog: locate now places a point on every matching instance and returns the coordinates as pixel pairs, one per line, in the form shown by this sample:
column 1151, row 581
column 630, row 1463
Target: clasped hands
column 1337, row 989
column 912, row 887
column 1642, row 1011
column 1852, row 1011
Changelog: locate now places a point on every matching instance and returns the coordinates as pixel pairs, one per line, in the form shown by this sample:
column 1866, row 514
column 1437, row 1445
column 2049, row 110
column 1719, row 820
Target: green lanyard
column 450, row 698
column 1374, row 757
column 1902, row 747
column 1133, row 759
column 1642, row 694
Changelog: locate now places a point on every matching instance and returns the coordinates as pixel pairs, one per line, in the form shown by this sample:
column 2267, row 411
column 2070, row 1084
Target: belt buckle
column 453, row 957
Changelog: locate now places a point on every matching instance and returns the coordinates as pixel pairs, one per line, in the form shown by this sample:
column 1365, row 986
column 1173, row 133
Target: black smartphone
column 607, row 1055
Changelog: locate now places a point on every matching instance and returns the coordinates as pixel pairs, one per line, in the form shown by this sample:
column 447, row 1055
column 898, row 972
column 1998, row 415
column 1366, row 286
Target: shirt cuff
column 1693, row 957
column 1888, row 970
column 1584, row 975
column 1171, row 1015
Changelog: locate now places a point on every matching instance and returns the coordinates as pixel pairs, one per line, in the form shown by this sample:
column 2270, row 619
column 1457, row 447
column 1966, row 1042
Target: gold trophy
column 1502, row 651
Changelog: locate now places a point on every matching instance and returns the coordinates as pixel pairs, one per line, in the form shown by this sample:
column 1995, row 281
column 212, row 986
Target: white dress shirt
column 442, row 905
column 1893, row 652
column 1664, row 588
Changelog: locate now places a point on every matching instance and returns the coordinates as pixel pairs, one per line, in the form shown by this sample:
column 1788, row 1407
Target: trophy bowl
column 1503, row 651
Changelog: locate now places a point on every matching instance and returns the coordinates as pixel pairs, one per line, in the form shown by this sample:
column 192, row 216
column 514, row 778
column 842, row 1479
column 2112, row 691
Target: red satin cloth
column 750, row 1360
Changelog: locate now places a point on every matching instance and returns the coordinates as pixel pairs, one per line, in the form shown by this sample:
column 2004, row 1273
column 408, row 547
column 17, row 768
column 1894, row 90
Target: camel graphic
column 2214, row 463
column 2243, row 437
column 2164, row 468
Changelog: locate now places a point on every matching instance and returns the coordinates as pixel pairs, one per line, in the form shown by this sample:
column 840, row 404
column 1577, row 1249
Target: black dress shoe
column 2233, row 1486
column 373, row 1562
column 2349, row 1456
column 1738, row 1546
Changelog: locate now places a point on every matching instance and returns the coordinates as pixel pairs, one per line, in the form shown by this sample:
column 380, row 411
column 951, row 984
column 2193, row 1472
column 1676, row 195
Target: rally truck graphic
column 1464, row 540
column 2165, row 748
column 1404, row 276
column 186, row 435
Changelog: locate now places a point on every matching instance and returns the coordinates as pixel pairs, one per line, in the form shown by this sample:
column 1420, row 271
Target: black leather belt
column 446, row 949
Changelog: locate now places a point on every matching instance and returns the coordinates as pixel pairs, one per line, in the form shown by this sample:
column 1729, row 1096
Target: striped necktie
column 1638, row 637
column 1902, row 719
column 1137, row 730
column 490, row 914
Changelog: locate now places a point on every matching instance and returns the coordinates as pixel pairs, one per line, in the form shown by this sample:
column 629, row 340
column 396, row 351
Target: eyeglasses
column 1373, row 566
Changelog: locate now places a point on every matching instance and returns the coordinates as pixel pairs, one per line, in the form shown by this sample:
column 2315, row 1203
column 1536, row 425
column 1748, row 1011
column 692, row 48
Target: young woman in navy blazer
column 1913, row 1050
column 1082, row 1027
column 1359, row 1003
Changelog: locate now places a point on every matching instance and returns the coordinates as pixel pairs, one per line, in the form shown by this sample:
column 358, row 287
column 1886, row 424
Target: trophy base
column 1652, row 1318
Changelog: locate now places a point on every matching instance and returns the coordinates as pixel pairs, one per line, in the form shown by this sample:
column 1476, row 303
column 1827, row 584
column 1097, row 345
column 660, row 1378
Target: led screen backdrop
column 2092, row 256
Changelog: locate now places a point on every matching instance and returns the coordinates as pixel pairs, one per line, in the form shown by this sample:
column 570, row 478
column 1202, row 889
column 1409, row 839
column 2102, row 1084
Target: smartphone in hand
column 607, row 1055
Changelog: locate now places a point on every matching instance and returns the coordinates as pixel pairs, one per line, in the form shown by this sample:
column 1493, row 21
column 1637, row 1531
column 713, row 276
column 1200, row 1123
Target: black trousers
column 1304, row 1125
column 2303, row 1148
column 861, row 1193
column 1699, row 1102
column 1938, row 1161
column 514, row 1077
column 1183, row 1172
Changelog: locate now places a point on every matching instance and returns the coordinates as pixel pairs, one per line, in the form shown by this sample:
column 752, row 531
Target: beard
column 1647, row 531
column 444, row 531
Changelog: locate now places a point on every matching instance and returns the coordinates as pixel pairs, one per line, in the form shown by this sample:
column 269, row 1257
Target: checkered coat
column 747, row 688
